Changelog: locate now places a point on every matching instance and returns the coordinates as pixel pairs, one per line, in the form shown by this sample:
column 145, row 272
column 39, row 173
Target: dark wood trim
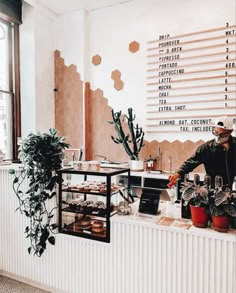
column 87, row 121
column 6, row 17
column 11, row 82
column 14, row 84
column 17, row 100
column 11, row 10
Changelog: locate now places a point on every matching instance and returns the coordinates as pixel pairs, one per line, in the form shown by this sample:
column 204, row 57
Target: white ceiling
column 65, row 6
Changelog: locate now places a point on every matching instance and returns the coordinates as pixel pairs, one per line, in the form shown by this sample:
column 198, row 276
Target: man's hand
column 173, row 180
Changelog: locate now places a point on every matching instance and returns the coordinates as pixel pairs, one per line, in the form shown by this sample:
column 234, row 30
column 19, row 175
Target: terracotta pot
column 199, row 216
column 220, row 223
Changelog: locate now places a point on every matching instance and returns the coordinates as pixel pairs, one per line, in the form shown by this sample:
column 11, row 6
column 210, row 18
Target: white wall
column 37, row 70
column 81, row 35
column 27, row 72
column 71, row 39
column 44, row 67
column 110, row 30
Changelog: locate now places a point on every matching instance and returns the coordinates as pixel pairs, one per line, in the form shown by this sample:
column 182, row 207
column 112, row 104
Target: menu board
column 191, row 80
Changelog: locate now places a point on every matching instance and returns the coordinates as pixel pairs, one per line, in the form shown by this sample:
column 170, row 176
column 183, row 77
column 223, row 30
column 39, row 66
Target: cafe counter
column 146, row 254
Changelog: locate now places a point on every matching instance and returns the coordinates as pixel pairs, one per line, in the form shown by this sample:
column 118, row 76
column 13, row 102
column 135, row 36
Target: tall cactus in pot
column 133, row 141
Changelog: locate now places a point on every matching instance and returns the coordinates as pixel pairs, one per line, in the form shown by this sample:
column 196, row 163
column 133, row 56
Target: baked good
column 73, row 206
column 79, row 207
column 90, row 207
column 80, row 187
column 97, row 226
column 71, row 187
column 87, row 188
column 95, row 189
column 85, row 223
column 103, row 190
column 85, row 205
column 102, row 210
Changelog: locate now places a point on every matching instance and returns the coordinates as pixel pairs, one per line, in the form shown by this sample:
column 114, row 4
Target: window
column 10, row 127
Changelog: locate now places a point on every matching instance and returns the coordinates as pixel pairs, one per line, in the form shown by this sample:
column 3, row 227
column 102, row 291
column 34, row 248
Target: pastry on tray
column 97, row 227
column 85, row 223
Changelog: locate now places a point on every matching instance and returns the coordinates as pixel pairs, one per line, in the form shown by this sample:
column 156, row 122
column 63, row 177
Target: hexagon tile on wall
column 118, row 84
column 96, row 60
column 133, row 47
column 115, row 75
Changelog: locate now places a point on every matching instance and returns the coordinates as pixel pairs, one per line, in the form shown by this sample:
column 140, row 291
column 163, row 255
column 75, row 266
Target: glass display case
column 87, row 200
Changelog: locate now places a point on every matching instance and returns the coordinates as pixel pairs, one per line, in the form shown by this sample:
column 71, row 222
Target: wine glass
column 196, row 179
column 207, row 182
column 218, row 182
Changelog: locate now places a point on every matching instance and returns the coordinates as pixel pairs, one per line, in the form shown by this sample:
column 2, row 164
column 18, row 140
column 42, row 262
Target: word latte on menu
column 191, row 77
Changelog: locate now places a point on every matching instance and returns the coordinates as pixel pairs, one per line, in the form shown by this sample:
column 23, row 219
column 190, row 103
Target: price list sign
column 191, row 80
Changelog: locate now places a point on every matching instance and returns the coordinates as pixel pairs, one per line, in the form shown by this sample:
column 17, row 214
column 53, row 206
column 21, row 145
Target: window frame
column 14, row 82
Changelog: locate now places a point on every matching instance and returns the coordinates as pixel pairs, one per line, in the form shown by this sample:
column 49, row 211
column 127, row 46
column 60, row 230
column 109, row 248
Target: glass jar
column 124, row 208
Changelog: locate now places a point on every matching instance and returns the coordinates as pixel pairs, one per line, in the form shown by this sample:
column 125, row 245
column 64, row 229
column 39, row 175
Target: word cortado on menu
column 191, row 80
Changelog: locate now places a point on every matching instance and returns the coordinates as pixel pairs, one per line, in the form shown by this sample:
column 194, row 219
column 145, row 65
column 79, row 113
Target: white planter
column 136, row 165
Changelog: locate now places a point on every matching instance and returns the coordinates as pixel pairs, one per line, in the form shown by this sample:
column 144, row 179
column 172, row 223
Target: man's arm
column 188, row 166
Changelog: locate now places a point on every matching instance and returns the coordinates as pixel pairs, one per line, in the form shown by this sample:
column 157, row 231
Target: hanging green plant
column 41, row 155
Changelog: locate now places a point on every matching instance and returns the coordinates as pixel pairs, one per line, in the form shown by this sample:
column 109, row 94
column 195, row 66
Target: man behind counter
column 217, row 155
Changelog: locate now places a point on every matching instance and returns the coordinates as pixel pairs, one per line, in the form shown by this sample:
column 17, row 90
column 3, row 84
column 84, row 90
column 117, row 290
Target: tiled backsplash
column 68, row 102
column 69, row 122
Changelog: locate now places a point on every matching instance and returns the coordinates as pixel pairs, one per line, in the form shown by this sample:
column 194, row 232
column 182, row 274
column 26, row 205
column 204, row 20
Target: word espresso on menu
column 191, row 80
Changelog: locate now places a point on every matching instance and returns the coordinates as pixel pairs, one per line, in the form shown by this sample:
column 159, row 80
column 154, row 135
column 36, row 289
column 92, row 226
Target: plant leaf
column 188, row 194
column 54, row 226
column 220, row 198
column 41, row 251
column 29, row 249
column 230, row 210
column 51, row 240
column 12, row 171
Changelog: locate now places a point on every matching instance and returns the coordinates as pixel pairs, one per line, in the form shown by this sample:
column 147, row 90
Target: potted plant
column 133, row 140
column 222, row 208
column 41, row 155
column 196, row 196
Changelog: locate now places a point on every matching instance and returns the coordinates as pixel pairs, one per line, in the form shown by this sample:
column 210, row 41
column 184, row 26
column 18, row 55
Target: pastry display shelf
column 86, row 212
column 96, row 213
column 74, row 190
column 78, row 228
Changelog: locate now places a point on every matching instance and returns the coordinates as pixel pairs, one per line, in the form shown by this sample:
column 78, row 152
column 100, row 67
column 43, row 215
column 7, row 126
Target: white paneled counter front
column 143, row 257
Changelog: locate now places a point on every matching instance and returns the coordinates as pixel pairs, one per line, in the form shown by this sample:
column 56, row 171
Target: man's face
column 221, row 135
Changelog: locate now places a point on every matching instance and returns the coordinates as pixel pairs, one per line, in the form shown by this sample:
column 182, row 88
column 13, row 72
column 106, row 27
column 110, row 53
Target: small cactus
column 133, row 141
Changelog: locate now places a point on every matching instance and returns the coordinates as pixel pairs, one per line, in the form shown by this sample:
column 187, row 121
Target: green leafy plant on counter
column 223, row 203
column 132, row 141
column 195, row 195
column 41, row 155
